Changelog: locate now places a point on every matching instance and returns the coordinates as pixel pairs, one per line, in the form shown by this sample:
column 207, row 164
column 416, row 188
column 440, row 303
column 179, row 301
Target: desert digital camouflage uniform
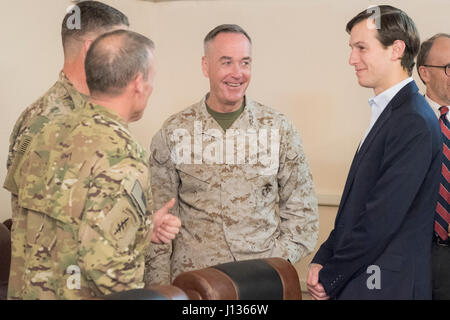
column 83, row 187
column 229, row 210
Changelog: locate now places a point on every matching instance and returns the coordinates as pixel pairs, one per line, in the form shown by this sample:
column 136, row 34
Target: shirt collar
column 383, row 99
column 379, row 103
column 434, row 105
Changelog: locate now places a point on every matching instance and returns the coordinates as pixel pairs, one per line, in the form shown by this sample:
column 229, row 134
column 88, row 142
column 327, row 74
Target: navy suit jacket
column 386, row 213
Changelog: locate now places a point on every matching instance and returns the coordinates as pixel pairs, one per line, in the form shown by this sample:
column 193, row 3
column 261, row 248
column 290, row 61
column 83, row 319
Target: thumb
column 313, row 275
column 169, row 205
column 315, row 278
column 311, row 280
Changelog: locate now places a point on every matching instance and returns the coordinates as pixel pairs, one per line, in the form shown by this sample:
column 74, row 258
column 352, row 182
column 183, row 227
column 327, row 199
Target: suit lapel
column 396, row 101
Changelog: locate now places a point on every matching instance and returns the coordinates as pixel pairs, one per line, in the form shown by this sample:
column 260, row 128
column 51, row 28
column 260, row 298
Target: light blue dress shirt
column 379, row 103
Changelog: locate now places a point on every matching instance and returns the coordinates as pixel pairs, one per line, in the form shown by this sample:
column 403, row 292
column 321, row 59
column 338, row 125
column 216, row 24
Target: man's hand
column 165, row 225
column 314, row 287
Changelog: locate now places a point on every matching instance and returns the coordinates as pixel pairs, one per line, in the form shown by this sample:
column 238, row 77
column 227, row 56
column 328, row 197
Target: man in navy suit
column 380, row 245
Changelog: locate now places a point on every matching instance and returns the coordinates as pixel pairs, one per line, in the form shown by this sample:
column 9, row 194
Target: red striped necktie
column 442, row 216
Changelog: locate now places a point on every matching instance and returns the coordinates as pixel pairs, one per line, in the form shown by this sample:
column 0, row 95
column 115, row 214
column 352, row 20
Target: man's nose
column 236, row 70
column 354, row 58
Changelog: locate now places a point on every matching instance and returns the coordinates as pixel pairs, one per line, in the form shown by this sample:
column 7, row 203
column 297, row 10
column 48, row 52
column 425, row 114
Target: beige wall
column 300, row 52
column 326, row 222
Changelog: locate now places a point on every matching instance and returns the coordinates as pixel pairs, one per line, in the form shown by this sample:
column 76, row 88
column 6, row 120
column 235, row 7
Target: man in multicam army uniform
column 71, row 89
column 67, row 93
column 216, row 159
column 84, row 187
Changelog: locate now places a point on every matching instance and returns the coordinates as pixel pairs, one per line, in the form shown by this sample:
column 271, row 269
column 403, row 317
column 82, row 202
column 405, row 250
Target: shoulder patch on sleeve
column 138, row 197
column 120, row 224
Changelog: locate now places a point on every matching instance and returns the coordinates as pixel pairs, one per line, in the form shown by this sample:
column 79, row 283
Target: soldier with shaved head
column 84, row 187
column 69, row 92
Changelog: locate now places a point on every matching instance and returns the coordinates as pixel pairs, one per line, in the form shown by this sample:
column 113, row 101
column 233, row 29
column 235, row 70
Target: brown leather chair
column 260, row 279
column 163, row 292
column 5, row 259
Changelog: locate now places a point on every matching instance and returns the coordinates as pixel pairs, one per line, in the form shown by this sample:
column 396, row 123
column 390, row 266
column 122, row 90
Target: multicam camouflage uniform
column 61, row 99
column 228, row 208
column 83, row 187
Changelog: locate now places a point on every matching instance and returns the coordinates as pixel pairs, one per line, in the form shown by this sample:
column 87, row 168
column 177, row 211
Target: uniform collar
column 243, row 122
column 105, row 112
column 77, row 97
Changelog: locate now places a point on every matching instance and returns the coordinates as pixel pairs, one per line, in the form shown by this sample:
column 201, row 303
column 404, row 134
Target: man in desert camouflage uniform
column 64, row 96
column 228, row 177
column 84, row 187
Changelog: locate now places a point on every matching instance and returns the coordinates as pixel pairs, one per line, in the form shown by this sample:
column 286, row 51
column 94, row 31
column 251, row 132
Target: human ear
column 398, row 49
column 205, row 67
column 424, row 75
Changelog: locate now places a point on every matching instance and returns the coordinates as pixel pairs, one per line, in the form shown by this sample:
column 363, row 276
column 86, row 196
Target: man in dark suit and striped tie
column 433, row 66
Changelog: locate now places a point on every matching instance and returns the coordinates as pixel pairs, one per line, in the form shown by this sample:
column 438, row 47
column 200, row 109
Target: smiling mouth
column 233, row 85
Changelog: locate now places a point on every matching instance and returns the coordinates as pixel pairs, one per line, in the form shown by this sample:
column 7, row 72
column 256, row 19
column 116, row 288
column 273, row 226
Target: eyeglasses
column 446, row 68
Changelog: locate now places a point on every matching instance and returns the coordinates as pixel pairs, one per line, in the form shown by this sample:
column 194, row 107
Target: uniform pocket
column 41, row 230
column 265, row 191
column 196, row 186
column 194, row 177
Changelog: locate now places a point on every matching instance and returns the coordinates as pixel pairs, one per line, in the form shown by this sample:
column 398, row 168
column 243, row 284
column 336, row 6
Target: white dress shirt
column 435, row 106
column 379, row 103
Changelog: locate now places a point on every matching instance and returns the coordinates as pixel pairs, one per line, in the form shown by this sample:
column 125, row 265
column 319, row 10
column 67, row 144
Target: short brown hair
column 425, row 48
column 109, row 69
column 94, row 17
column 394, row 25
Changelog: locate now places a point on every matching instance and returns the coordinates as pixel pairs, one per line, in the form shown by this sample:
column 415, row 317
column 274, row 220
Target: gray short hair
column 109, row 69
column 227, row 28
column 425, row 48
